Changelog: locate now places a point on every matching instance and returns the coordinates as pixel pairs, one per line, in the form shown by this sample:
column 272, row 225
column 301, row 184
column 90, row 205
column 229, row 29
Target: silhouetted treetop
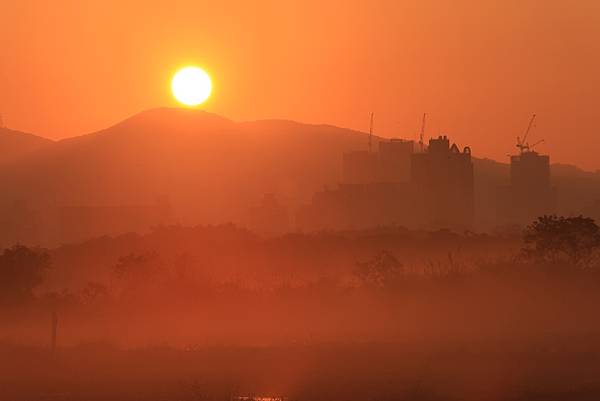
column 138, row 267
column 554, row 239
column 21, row 270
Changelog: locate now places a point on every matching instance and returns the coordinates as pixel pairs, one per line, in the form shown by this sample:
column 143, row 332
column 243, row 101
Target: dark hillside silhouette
column 166, row 166
column 209, row 168
column 16, row 144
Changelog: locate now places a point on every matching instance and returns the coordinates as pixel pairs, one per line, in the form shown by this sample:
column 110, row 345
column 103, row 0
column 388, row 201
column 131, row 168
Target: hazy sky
column 479, row 68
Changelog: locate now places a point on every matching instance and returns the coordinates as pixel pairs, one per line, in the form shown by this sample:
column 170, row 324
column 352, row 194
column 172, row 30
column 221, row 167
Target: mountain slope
column 213, row 170
column 16, row 144
column 210, row 167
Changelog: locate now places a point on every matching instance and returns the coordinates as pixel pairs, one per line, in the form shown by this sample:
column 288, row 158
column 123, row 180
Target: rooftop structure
column 443, row 178
column 390, row 164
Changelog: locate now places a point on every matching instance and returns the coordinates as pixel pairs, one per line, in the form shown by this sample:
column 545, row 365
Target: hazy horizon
column 206, row 201
column 505, row 160
column 397, row 59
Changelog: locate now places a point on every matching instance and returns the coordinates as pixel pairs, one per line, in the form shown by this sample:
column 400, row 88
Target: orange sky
column 478, row 67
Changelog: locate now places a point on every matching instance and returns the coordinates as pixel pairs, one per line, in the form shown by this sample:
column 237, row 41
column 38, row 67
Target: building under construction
column 530, row 193
column 427, row 187
column 373, row 191
column 389, row 165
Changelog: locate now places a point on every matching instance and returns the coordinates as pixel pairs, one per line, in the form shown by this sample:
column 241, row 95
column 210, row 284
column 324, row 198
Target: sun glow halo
column 191, row 86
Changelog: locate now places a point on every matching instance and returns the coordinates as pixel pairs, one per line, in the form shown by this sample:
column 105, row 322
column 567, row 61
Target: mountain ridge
column 16, row 144
column 213, row 170
column 157, row 113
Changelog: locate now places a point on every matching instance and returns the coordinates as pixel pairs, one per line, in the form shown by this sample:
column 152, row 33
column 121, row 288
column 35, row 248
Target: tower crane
column 530, row 147
column 521, row 143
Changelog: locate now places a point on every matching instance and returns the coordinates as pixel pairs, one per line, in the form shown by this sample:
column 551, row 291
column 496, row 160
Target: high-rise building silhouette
column 390, row 164
column 395, row 160
column 442, row 178
column 395, row 186
column 530, row 193
column 374, row 191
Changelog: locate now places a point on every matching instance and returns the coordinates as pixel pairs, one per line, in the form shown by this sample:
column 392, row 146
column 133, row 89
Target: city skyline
column 396, row 59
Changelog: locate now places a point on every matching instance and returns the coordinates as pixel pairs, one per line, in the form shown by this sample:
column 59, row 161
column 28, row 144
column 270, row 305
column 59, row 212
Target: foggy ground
column 458, row 371
column 215, row 312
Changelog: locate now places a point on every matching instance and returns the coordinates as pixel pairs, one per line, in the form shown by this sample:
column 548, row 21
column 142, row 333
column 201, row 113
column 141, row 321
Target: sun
column 191, row 86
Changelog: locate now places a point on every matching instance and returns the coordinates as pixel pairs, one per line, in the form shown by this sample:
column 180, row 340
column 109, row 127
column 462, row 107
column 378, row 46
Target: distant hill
column 16, row 144
column 211, row 169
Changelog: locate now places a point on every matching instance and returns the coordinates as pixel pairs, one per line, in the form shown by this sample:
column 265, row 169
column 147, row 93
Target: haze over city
column 478, row 68
column 299, row 201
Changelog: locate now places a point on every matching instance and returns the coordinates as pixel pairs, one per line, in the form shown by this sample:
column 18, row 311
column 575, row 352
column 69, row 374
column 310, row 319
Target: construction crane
column 371, row 133
column 530, row 147
column 422, row 133
column 521, row 143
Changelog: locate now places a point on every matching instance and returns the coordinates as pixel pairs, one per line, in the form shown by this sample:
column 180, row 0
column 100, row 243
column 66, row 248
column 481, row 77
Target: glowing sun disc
column 191, row 86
